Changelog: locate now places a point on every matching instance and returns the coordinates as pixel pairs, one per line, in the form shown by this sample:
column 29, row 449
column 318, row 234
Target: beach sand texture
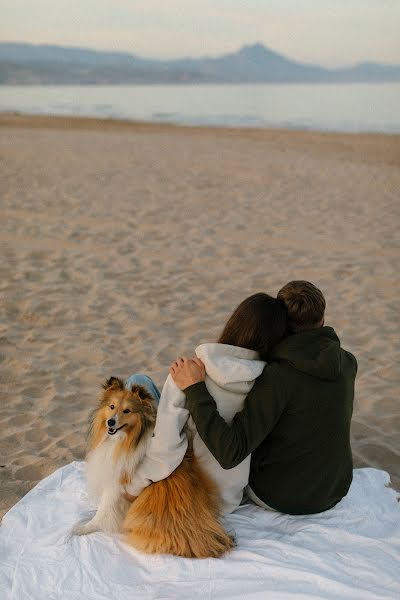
column 126, row 245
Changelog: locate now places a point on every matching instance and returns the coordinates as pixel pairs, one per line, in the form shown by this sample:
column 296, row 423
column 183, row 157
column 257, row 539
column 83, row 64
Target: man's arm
column 230, row 444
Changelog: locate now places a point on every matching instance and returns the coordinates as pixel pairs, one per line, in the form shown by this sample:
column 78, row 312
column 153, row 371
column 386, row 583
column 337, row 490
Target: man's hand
column 187, row 371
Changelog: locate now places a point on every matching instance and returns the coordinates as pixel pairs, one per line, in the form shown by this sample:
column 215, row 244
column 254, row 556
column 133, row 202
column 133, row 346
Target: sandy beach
column 124, row 245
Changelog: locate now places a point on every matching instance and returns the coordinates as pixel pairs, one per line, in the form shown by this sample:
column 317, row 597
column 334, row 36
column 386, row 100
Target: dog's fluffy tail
column 179, row 515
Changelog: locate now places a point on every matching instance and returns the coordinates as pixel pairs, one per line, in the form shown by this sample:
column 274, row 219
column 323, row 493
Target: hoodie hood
column 316, row 352
column 231, row 367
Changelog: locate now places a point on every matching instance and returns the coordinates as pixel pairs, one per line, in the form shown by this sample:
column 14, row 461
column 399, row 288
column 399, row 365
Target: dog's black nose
column 111, row 422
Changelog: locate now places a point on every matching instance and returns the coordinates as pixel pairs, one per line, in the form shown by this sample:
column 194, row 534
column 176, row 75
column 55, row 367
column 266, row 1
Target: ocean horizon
column 350, row 107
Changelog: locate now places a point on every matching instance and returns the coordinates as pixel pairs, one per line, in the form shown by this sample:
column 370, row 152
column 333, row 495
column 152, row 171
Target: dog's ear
column 141, row 392
column 147, row 409
column 115, row 383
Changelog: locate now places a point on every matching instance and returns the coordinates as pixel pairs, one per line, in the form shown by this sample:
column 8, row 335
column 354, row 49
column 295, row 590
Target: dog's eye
column 112, row 406
column 126, row 410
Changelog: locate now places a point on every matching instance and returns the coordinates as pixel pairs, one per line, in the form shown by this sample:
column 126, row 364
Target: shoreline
column 373, row 148
column 54, row 121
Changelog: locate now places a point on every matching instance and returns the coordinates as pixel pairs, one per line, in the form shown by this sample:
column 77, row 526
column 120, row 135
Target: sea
column 350, row 107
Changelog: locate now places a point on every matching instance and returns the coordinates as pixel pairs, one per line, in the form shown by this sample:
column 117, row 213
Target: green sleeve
column 230, row 444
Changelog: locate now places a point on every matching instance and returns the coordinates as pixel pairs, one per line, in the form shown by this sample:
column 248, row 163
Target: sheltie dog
column 178, row 515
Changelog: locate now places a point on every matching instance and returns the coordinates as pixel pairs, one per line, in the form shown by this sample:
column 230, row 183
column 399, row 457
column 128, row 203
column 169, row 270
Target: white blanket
column 350, row 552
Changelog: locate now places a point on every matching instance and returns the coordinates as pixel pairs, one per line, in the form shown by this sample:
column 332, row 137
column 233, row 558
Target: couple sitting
column 268, row 407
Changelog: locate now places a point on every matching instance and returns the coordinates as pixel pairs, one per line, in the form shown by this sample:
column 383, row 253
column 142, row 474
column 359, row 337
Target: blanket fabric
column 351, row 552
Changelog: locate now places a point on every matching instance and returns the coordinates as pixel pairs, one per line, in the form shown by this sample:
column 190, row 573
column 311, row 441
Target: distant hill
column 45, row 64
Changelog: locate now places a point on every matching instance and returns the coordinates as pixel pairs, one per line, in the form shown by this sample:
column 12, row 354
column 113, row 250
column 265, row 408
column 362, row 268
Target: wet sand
column 124, row 245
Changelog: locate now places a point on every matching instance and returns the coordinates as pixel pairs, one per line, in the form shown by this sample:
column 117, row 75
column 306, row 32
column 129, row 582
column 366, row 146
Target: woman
column 232, row 365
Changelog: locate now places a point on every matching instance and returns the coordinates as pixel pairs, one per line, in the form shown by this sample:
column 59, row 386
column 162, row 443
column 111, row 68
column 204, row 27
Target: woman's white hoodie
column 230, row 374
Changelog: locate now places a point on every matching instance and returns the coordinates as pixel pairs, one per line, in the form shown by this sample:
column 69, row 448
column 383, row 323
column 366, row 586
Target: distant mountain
column 45, row 64
column 366, row 71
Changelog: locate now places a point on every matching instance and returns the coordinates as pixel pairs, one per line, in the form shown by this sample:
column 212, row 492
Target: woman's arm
column 168, row 445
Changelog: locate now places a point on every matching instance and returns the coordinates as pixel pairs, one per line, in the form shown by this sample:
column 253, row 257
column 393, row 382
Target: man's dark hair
column 305, row 305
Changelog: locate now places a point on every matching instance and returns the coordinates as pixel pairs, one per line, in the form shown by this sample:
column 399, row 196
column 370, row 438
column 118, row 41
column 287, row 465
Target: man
column 296, row 418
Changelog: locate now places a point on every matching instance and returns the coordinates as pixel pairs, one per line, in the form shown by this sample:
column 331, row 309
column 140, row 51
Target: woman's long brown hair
column 258, row 323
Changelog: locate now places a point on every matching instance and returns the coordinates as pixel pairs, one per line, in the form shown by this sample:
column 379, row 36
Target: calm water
column 342, row 107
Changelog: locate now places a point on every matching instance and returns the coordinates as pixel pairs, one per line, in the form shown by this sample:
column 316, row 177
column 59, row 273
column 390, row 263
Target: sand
column 124, row 245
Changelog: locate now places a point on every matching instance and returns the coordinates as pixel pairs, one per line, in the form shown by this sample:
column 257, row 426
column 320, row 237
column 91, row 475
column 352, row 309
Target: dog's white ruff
column 103, row 479
column 351, row 552
column 231, row 373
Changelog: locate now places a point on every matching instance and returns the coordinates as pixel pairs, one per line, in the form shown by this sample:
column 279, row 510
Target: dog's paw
column 84, row 528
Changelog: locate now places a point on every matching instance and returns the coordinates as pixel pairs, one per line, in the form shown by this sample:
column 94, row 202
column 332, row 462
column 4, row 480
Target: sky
column 326, row 32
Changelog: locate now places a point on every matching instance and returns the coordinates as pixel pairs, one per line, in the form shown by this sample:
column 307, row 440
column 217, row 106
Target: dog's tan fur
column 178, row 515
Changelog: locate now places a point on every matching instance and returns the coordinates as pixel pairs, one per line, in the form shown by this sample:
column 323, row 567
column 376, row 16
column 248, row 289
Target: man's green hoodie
column 295, row 422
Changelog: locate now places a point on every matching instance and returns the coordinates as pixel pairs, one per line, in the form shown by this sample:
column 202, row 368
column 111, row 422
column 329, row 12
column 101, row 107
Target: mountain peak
column 256, row 50
column 253, row 63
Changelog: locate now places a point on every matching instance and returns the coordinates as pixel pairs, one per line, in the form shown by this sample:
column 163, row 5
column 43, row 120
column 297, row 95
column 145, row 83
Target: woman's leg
column 146, row 382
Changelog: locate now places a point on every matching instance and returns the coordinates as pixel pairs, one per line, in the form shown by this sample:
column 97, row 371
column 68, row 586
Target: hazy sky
column 327, row 32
